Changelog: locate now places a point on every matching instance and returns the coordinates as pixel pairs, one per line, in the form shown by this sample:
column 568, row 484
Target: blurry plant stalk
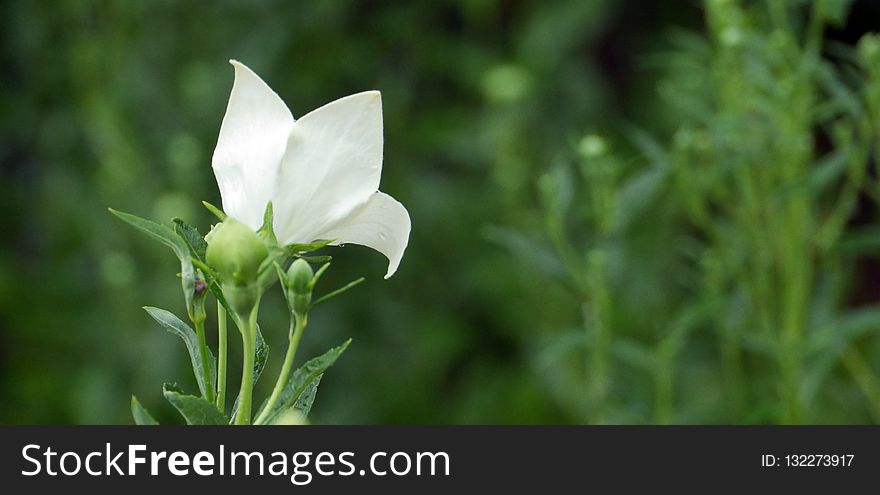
column 760, row 207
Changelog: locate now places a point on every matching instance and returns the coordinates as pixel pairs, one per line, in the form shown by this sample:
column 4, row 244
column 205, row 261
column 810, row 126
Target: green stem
column 221, row 357
column 249, row 344
column 296, row 331
column 203, row 355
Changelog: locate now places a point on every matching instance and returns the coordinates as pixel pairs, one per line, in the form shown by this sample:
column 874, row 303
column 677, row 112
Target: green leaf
column 195, row 410
column 141, row 416
column 262, row 355
column 157, row 231
column 267, row 230
column 317, row 259
column 174, row 325
column 216, row 211
column 165, row 235
column 337, row 291
column 307, row 398
column 277, row 256
column 285, row 282
column 307, row 247
column 194, row 240
column 300, row 381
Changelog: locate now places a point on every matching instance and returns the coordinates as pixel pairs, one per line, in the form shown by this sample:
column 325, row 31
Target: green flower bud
column 300, row 277
column 236, row 252
column 196, row 308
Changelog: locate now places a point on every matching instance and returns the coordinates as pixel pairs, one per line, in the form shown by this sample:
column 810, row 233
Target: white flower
column 321, row 172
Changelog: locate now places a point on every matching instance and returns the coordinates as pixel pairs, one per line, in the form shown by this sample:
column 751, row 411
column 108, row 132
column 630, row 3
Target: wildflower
column 321, row 172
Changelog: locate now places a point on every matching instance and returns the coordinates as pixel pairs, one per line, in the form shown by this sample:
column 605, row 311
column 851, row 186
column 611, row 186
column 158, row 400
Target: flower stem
column 221, row 357
column 203, row 355
column 295, row 334
column 249, row 344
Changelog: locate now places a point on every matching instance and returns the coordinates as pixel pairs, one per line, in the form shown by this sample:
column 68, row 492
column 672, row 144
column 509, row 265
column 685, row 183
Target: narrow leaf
column 194, row 240
column 307, row 398
column 317, row 259
column 140, row 414
column 174, row 325
column 195, row 410
column 157, row 231
column 216, row 211
column 267, row 230
column 301, row 379
column 165, row 235
column 307, row 247
column 337, row 291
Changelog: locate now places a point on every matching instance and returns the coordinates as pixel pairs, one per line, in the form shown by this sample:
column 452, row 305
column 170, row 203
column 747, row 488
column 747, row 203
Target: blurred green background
column 623, row 211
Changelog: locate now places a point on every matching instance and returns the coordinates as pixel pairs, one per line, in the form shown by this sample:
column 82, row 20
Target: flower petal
column 382, row 223
column 331, row 167
column 252, row 140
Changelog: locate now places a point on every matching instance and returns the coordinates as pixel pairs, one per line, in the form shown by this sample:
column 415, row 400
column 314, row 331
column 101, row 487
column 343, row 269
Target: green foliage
column 182, row 330
column 141, row 416
column 716, row 252
column 303, row 404
column 168, row 237
column 195, row 410
column 299, row 391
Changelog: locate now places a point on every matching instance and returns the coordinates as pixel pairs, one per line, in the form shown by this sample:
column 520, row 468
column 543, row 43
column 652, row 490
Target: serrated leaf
column 262, row 355
column 195, row 410
column 174, row 325
column 194, row 240
column 303, row 405
column 140, row 414
column 301, row 379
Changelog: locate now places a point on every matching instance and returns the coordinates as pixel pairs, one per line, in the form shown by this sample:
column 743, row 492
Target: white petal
column 331, row 167
column 382, row 223
column 252, row 140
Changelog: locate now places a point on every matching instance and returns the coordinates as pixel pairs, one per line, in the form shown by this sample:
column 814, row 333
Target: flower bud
column 196, row 304
column 300, row 276
column 236, row 252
